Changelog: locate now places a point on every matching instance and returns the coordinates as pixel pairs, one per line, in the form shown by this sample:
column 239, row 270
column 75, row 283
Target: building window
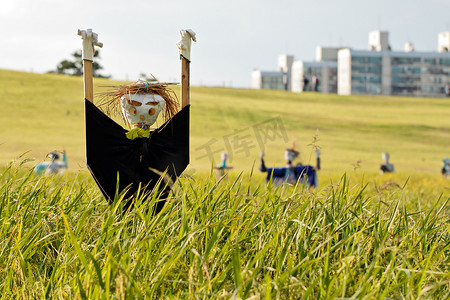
column 408, row 80
column 360, row 79
column 445, row 61
column 374, row 70
column 405, row 90
column 405, row 60
column 415, row 70
column 375, row 60
column 359, row 69
column 358, row 89
column 374, row 89
column 272, row 82
column 375, row 79
column 397, row 70
column 358, row 59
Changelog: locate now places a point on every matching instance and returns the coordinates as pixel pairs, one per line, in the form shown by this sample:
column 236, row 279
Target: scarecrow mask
column 141, row 110
column 140, row 103
column 290, row 155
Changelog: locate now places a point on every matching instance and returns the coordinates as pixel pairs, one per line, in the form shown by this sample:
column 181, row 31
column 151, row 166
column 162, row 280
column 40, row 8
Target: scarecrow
column 290, row 173
column 56, row 166
column 445, row 171
column 222, row 170
column 140, row 158
column 387, row 167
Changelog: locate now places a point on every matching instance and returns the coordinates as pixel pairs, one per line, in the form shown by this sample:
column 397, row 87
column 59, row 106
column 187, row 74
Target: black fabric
column 113, row 158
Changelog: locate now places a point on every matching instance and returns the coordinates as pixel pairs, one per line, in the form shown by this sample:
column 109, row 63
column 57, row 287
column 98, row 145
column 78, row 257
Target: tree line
column 74, row 66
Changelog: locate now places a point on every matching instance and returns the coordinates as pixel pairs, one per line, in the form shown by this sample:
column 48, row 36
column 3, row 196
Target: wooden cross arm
column 184, row 47
column 90, row 40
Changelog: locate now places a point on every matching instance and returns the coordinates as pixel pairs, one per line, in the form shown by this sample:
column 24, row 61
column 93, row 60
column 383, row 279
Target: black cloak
column 117, row 162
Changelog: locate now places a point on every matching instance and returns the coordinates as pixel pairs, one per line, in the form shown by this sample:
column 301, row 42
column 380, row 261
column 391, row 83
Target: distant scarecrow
column 56, row 166
column 445, row 171
column 290, row 173
column 387, row 167
column 123, row 160
column 222, row 170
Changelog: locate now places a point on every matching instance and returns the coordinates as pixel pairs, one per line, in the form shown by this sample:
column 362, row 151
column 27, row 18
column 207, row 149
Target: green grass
column 359, row 235
column 224, row 239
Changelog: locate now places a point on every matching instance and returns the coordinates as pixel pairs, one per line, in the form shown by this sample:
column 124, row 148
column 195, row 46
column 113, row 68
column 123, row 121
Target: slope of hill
column 44, row 112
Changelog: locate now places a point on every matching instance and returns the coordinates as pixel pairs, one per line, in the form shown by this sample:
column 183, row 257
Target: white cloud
column 6, row 7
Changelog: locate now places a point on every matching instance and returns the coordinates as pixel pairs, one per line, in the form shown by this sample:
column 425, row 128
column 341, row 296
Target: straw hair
column 110, row 101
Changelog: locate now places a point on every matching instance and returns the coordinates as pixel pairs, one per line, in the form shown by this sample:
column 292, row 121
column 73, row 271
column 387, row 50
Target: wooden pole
column 185, row 82
column 88, row 80
column 185, row 55
column 90, row 39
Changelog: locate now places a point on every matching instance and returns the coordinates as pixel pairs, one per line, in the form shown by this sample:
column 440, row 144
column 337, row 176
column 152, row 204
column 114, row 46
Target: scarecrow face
column 290, row 155
column 224, row 156
column 141, row 110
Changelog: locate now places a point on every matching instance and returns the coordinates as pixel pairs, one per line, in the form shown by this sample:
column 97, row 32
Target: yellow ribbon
column 137, row 133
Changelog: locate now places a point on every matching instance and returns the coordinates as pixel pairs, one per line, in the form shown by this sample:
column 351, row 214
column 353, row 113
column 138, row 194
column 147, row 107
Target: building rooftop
column 399, row 53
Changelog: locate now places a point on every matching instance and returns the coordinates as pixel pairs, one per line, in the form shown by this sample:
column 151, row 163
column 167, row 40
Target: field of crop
column 359, row 234
column 41, row 113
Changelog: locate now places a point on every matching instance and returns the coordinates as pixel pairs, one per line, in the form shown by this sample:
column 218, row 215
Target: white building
column 303, row 73
column 324, row 69
column 291, row 74
column 271, row 80
column 384, row 72
column 275, row 80
column 377, row 71
column 444, row 41
column 379, row 41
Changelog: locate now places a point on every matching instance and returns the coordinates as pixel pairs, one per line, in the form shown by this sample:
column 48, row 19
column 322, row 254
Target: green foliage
column 223, row 239
column 75, row 67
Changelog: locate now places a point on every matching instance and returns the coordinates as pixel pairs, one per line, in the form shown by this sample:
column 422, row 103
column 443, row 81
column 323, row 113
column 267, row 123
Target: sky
column 234, row 37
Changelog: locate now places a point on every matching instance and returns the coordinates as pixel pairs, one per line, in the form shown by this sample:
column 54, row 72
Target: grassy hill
column 43, row 112
column 363, row 236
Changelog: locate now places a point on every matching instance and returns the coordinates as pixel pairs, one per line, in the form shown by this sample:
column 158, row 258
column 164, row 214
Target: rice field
column 358, row 235
column 234, row 237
